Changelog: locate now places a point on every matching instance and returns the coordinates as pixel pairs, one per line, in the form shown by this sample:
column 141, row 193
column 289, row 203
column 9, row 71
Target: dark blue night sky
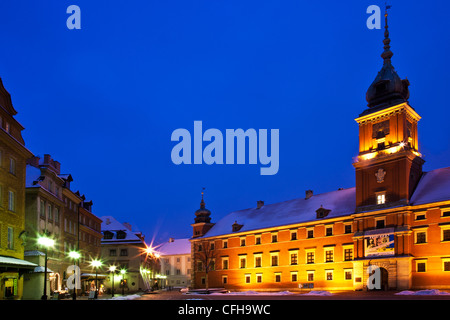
column 104, row 100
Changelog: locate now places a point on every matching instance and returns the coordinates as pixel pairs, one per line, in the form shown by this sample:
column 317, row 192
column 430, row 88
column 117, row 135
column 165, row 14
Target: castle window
column 329, row 275
column 329, row 255
column 225, row 263
column 274, row 259
column 446, row 264
column 421, row 265
column 420, row 237
column 242, row 262
column 348, row 228
column 258, row 239
column 293, row 234
column 379, row 223
column 258, row 260
column 274, row 237
column 381, row 197
column 322, row 212
column 277, row 276
column 310, row 257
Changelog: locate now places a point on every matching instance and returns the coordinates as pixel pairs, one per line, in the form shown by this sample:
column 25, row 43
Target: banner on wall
column 379, row 244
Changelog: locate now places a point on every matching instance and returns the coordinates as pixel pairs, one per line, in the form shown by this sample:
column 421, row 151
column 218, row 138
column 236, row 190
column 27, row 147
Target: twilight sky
column 104, row 100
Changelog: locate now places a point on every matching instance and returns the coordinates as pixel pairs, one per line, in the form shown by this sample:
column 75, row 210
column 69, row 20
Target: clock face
column 380, row 129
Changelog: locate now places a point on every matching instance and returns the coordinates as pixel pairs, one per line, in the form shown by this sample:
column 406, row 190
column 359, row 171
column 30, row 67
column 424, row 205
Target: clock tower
column 389, row 164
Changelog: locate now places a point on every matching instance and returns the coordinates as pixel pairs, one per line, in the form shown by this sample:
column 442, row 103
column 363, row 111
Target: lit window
column 329, row 274
column 381, row 198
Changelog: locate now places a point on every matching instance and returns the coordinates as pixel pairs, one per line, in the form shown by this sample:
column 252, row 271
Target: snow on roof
column 15, row 261
column 341, row 203
column 112, row 225
column 434, row 186
column 177, row 246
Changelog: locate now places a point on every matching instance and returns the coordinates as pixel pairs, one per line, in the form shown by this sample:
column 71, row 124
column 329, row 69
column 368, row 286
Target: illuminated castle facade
column 396, row 218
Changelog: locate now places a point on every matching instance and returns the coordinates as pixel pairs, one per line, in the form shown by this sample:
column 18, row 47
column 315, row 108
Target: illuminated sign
column 378, row 244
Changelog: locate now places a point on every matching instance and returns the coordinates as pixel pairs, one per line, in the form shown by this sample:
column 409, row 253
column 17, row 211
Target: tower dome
column 202, row 214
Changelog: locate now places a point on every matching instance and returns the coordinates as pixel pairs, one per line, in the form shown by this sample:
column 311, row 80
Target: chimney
column 127, row 225
column 308, row 194
column 57, row 166
column 47, row 158
column 171, row 239
column 259, row 204
column 34, row 161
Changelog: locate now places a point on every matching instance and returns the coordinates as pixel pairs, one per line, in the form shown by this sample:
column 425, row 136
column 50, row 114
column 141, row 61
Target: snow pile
column 252, row 293
column 127, row 297
column 318, row 293
column 431, row 292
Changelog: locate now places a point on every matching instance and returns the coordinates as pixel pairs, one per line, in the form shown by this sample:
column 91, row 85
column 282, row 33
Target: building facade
column 176, row 262
column 126, row 250
column 13, row 155
column 44, row 206
column 53, row 209
column 391, row 231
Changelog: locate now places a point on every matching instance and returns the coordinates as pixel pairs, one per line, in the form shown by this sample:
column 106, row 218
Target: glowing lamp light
column 123, row 271
column 112, row 268
column 96, row 263
column 46, row 242
column 74, row 255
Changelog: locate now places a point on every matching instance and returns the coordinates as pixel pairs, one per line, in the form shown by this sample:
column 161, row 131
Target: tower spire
column 387, row 53
column 202, row 203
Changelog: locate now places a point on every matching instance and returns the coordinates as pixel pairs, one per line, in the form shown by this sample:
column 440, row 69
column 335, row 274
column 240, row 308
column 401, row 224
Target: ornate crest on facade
column 380, row 175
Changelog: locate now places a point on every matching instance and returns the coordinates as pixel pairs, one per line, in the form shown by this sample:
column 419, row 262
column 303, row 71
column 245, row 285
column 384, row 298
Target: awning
column 42, row 269
column 10, row 264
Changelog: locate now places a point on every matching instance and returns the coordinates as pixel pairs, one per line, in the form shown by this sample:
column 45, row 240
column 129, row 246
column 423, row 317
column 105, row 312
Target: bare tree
column 204, row 252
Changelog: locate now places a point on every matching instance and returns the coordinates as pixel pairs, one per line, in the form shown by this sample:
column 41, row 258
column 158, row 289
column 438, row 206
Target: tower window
column 381, row 198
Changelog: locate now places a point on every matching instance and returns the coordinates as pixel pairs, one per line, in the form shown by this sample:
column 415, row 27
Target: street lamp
column 96, row 263
column 113, row 270
column 75, row 256
column 45, row 242
column 123, row 271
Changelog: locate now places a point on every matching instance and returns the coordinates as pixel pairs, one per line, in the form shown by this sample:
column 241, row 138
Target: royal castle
column 396, row 218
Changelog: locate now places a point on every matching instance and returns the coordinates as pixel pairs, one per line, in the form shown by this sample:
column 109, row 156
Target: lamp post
column 123, row 271
column 75, row 256
column 112, row 269
column 45, row 242
column 96, row 263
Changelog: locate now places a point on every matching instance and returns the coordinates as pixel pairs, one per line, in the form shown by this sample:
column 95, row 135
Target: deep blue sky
column 105, row 99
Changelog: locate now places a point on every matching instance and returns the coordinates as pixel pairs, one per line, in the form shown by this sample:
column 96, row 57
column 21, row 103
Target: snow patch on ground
column 431, row 292
column 128, row 297
column 318, row 293
column 252, row 293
